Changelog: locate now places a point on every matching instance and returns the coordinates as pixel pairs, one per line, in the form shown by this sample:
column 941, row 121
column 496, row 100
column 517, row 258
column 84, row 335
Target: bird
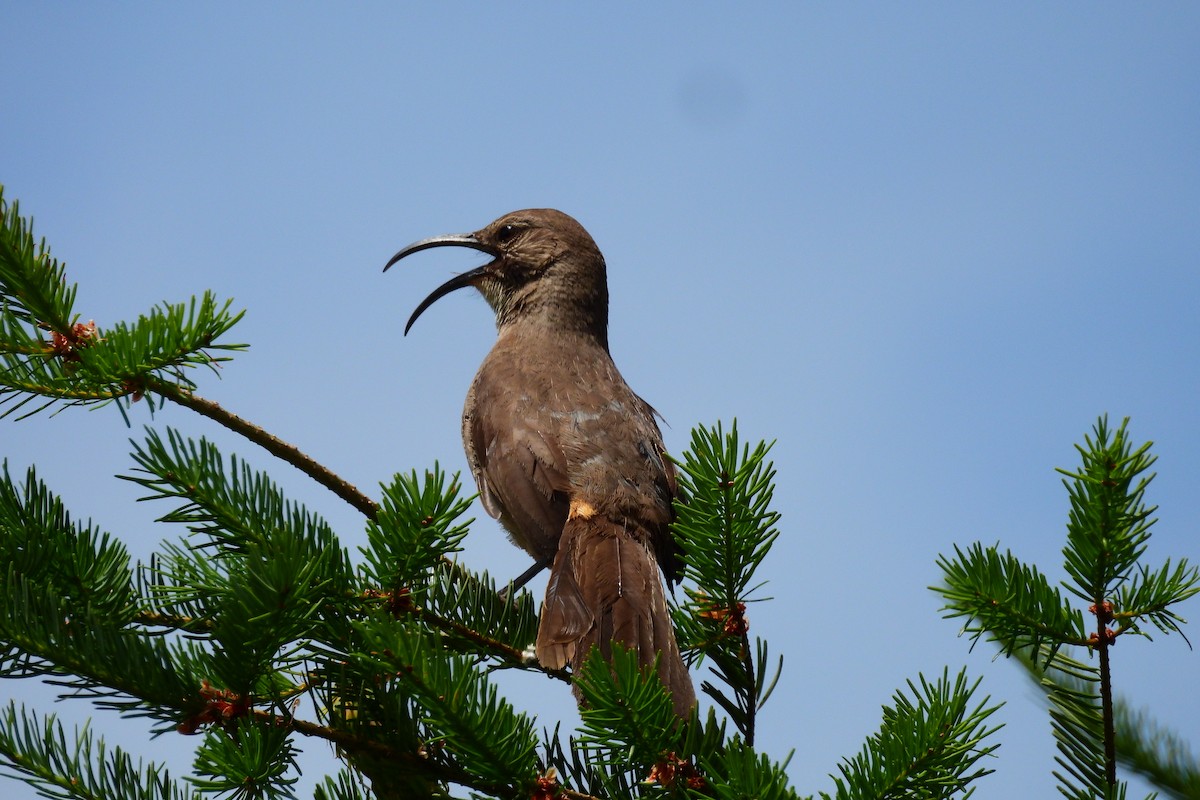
column 565, row 455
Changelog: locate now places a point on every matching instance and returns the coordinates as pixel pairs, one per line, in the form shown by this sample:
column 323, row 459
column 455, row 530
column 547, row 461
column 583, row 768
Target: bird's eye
column 506, row 232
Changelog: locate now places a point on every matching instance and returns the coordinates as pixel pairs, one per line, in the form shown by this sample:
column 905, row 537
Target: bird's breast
column 569, row 396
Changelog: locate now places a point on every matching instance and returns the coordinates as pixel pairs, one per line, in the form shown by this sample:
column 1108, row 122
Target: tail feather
column 605, row 586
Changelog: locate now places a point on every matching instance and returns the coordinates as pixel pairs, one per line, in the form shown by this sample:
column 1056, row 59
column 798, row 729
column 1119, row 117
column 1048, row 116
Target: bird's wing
column 670, row 556
column 666, row 549
column 521, row 471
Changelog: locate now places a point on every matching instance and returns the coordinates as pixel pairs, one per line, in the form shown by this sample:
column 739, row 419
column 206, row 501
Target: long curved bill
column 458, row 281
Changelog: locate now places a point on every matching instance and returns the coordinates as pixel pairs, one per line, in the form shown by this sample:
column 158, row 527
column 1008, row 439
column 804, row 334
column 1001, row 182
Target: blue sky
column 921, row 246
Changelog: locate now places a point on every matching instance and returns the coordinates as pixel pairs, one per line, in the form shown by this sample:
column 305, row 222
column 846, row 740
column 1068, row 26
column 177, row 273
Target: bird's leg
column 525, row 577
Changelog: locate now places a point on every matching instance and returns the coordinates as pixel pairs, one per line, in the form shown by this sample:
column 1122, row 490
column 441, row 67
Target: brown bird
column 566, row 456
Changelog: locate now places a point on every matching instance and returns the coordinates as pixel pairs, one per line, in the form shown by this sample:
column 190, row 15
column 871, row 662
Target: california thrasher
column 566, row 456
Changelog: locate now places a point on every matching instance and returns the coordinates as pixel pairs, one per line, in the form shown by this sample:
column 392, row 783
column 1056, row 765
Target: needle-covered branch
column 930, row 744
column 42, row 755
column 33, row 286
column 49, row 357
column 1014, row 605
column 725, row 527
column 1007, row 601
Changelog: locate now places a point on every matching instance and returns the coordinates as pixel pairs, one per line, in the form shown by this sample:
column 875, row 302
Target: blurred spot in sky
column 711, row 96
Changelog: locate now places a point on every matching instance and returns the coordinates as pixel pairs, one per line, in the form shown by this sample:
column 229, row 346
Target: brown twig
column 272, row 444
column 174, row 622
column 1102, row 640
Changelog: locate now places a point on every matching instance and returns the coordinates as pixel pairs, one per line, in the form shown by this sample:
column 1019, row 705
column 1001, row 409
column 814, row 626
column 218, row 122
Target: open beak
column 458, row 281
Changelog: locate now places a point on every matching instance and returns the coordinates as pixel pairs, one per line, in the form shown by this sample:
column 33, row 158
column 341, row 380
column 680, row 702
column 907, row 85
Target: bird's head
column 544, row 266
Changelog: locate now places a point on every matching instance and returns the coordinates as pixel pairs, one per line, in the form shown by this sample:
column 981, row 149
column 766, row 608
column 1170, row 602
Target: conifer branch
column 1013, row 604
column 928, row 746
column 725, row 528
column 504, row 652
column 352, row 742
column 37, row 750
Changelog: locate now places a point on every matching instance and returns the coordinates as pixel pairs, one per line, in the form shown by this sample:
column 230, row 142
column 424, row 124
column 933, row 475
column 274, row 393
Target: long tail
column 605, row 587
